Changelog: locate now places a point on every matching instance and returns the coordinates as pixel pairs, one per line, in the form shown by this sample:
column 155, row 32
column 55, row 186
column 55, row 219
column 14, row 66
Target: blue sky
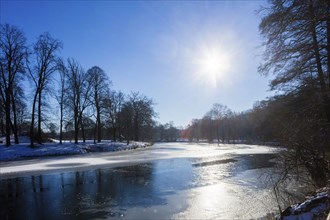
column 158, row 48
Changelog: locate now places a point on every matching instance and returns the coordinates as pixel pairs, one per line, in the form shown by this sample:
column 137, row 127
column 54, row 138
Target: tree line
column 297, row 53
column 297, row 42
column 222, row 125
column 87, row 106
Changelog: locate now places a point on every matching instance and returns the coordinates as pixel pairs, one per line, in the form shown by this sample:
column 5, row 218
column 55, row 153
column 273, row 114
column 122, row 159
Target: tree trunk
column 98, row 115
column 83, row 132
column 76, row 126
column 325, row 98
column 61, row 122
column 94, row 134
column 62, row 106
column 328, row 44
column 7, row 107
column 320, row 73
column 98, row 123
column 218, row 133
column 39, row 119
column 136, row 129
column 32, row 120
column 2, row 126
column 81, row 123
column 114, row 133
column 15, row 118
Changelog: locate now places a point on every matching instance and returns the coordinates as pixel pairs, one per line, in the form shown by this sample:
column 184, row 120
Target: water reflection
column 168, row 188
column 232, row 190
column 80, row 195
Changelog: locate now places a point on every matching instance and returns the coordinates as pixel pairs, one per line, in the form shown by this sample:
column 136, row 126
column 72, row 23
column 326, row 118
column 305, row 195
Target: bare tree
column 143, row 113
column 63, row 72
column 13, row 52
column 45, row 64
column 297, row 44
column 126, row 121
column 113, row 106
column 18, row 108
column 22, row 116
column 99, row 84
column 78, row 95
column 74, row 93
column 218, row 113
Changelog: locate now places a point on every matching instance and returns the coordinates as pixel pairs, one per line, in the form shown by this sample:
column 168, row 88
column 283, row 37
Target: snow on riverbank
column 314, row 207
column 21, row 151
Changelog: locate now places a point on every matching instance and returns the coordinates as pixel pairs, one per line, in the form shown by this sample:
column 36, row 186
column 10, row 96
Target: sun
column 213, row 64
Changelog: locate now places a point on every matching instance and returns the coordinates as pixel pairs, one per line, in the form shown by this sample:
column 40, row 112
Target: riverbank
column 23, row 151
column 316, row 206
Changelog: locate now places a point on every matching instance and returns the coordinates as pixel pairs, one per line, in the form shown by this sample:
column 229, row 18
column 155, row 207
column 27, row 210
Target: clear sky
column 185, row 55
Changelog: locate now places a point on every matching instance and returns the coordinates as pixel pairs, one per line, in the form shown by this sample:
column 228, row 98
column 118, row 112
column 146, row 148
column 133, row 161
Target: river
column 165, row 181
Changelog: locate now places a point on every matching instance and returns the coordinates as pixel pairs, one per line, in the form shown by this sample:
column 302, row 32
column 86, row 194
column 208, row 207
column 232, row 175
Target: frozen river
column 165, row 181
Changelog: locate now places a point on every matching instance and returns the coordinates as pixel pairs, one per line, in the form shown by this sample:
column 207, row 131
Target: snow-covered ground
column 22, row 150
column 314, row 207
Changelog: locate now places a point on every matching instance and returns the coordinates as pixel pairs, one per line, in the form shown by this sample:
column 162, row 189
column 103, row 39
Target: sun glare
column 213, row 65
